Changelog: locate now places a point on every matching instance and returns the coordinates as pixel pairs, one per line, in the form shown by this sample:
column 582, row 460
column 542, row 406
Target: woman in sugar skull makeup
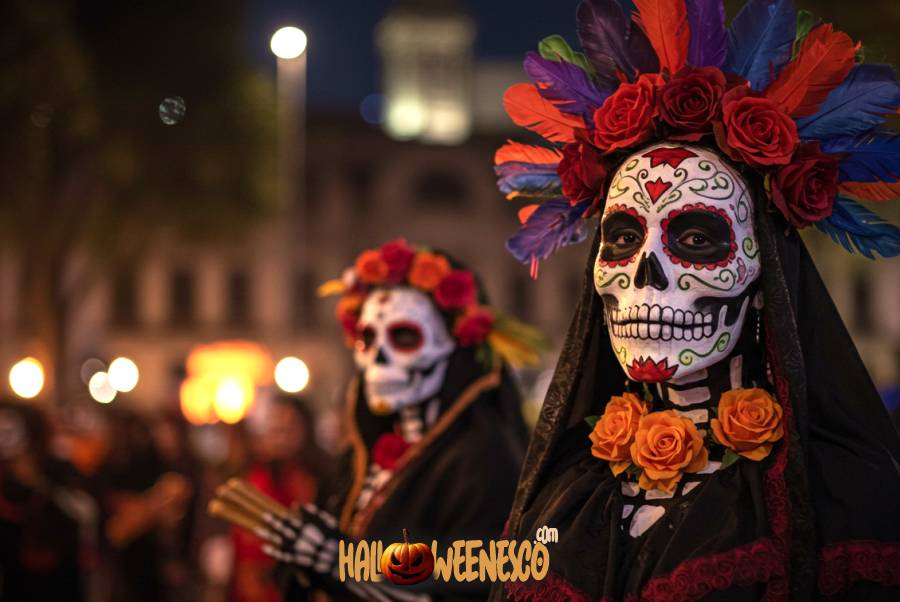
column 434, row 416
column 711, row 432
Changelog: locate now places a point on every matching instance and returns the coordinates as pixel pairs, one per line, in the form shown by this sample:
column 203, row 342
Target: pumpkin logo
column 407, row 563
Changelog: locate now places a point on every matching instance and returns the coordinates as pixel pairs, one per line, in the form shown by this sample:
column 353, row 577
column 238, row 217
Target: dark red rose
column 456, row 290
column 473, row 327
column 387, row 450
column 649, row 371
column 626, row 118
column 398, row 256
column 582, row 173
column 691, row 101
column 804, row 189
column 754, row 130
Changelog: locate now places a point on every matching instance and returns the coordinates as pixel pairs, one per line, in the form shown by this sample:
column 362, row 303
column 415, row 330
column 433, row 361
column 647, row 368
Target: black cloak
column 815, row 520
column 456, row 483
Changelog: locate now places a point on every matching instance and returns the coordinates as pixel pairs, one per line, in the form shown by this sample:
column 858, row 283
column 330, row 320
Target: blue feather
column 760, row 40
column 709, row 40
column 854, row 227
column 553, row 224
column 566, row 85
column 872, row 157
column 856, row 106
column 529, row 180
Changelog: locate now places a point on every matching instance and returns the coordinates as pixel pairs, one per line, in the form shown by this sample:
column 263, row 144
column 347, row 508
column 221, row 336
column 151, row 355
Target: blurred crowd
column 99, row 503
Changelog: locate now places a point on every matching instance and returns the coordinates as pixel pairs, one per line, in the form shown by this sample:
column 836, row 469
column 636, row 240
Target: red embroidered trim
column 843, row 564
column 551, row 588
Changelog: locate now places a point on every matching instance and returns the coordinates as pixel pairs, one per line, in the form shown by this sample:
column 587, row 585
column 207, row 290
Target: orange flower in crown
column 614, row 432
column 665, row 447
column 748, row 422
column 371, row 267
column 428, row 271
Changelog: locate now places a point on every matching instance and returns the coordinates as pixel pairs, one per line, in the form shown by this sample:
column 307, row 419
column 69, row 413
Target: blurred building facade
column 426, row 177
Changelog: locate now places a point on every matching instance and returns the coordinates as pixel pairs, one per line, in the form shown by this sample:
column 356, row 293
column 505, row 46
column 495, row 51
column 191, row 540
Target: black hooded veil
column 817, row 519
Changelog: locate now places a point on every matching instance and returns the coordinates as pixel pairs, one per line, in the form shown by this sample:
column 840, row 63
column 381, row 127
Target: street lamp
column 288, row 42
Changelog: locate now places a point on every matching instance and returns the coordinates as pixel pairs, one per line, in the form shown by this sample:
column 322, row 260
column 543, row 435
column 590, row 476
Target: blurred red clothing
column 291, row 485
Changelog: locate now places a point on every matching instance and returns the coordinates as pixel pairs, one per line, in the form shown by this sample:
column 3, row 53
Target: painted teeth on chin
column 643, row 312
column 654, row 331
column 678, row 317
column 654, row 313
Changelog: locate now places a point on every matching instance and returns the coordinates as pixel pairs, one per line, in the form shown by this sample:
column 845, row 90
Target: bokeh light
column 100, row 388
column 288, row 43
column 172, row 110
column 291, row 374
column 123, row 374
column 27, row 378
column 233, row 398
column 371, row 108
column 91, row 367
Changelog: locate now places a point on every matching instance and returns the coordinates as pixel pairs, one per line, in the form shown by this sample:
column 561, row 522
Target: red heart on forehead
column 668, row 156
column 656, row 188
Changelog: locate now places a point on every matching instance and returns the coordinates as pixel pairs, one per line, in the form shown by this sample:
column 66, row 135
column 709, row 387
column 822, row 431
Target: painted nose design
column 381, row 358
column 650, row 273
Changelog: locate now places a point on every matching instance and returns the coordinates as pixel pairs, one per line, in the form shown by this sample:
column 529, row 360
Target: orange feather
column 666, row 24
column 871, row 191
column 526, row 211
column 526, row 153
column 526, row 107
column 822, row 63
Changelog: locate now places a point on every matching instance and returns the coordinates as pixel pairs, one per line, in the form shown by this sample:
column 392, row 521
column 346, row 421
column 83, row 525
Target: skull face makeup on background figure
column 677, row 261
column 402, row 348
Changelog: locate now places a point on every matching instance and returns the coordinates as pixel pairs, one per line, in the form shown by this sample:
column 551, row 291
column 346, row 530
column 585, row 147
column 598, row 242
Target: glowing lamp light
column 291, row 374
column 406, row 118
column 288, row 43
column 27, row 378
column 233, row 398
column 123, row 374
column 100, row 388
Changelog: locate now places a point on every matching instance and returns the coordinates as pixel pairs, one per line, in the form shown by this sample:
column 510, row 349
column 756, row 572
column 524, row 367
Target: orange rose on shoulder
column 666, row 446
column 614, row 432
column 428, row 270
column 371, row 267
column 749, row 422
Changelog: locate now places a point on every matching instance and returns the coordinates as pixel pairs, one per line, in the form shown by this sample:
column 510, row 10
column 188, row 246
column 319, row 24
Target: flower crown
column 454, row 291
column 779, row 92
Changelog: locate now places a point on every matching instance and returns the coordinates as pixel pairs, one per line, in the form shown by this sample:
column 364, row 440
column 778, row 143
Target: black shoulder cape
column 816, row 520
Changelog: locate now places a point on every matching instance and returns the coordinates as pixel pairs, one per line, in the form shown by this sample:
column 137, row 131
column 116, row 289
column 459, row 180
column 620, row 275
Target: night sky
column 343, row 67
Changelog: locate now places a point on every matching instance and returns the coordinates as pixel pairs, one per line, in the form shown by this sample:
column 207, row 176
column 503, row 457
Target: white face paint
column 677, row 257
column 402, row 348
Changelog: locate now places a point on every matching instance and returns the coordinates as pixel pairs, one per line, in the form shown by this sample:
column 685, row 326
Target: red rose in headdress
column 582, row 172
column 399, row 257
column 474, row 326
column 691, row 101
column 456, row 291
column 804, row 190
column 754, row 130
column 626, row 118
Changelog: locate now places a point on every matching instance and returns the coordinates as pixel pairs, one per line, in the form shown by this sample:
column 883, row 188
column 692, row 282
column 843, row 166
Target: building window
column 862, row 303
column 303, row 303
column 124, row 300
column 238, row 311
column 439, row 187
column 182, row 298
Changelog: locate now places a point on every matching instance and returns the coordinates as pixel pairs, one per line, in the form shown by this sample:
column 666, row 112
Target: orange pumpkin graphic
column 407, row 563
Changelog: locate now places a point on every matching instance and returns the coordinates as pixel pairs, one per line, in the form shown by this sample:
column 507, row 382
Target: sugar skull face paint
column 402, row 348
column 677, row 259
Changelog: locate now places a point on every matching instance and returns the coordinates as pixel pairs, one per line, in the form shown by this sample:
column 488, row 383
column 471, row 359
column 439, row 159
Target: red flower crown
column 779, row 92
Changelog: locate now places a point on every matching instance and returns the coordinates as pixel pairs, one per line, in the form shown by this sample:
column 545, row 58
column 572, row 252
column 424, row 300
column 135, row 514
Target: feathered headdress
column 453, row 290
column 779, row 92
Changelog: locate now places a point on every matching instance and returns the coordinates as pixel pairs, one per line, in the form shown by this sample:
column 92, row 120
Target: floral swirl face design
column 677, row 258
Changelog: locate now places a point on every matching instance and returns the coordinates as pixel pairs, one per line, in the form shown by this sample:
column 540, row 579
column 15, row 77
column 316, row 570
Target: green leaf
column 555, row 48
column 648, row 396
column 592, row 420
column 805, row 22
column 730, row 458
column 633, row 471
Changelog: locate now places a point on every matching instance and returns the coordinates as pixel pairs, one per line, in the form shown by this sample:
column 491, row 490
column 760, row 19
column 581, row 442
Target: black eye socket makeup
column 701, row 237
column 622, row 235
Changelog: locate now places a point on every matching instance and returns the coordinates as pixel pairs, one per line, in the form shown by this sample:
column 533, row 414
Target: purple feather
column 612, row 43
column 760, row 40
column 709, row 40
column 553, row 224
column 565, row 85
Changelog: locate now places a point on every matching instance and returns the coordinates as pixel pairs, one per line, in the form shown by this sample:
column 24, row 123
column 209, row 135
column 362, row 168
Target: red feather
column 666, row 24
column 526, row 107
column 822, row 63
column 526, row 153
column 871, row 191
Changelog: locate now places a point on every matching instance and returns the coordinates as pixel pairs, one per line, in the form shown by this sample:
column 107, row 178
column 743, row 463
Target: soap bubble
column 171, row 110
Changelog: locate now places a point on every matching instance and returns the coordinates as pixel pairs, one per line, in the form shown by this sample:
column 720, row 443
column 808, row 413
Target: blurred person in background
column 286, row 465
column 41, row 512
column 141, row 500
